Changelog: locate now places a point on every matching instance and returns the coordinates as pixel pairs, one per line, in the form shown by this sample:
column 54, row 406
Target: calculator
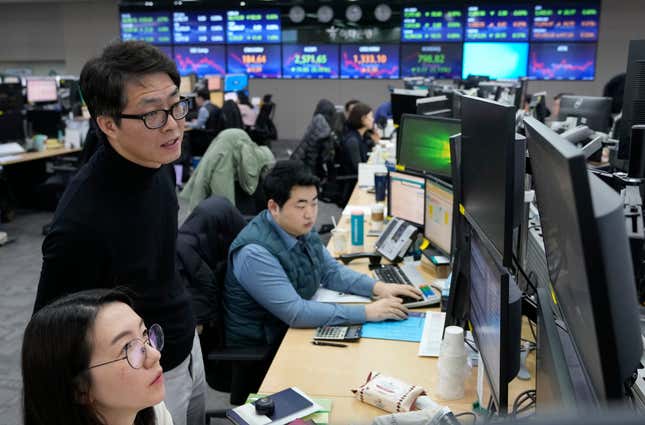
column 339, row 333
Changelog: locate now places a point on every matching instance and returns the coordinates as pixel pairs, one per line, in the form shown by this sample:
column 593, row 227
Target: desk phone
column 339, row 333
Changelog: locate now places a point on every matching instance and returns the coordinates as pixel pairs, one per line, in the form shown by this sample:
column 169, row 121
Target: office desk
column 33, row 156
column 331, row 372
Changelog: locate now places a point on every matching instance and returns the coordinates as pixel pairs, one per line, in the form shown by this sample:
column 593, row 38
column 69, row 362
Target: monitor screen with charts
column 438, row 215
column 406, row 197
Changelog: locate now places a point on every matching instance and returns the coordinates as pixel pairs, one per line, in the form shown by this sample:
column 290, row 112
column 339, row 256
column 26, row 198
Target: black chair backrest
column 203, row 244
column 213, row 117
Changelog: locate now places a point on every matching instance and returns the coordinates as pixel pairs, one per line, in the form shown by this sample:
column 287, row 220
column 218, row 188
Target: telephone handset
column 396, row 239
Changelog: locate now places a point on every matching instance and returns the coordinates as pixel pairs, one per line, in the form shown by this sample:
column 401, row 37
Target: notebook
column 290, row 404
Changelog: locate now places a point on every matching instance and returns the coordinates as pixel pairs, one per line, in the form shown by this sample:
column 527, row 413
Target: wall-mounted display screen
column 310, row 61
column 562, row 61
column 438, row 60
column 432, row 23
column 253, row 26
column 256, row 61
column 200, row 60
column 192, row 27
column 498, row 23
column 167, row 50
column 151, row 27
column 510, row 60
column 577, row 21
column 369, row 61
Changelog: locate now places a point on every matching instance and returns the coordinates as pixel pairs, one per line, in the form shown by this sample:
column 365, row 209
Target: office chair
column 203, row 242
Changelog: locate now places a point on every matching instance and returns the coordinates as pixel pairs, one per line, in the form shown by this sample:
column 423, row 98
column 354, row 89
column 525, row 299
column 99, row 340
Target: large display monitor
column 150, row 26
column 405, row 102
column 432, row 23
column 510, row 60
column 424, row 144
column 200, row 60
column 502, row 22
column 594, row 112
column 566, row 21
column 199, row 27
column 42, row 89
column 562, row 61
column 257, row 61
column 253, row 26
column 589, row 261
column 406, row 197
column 492, row 172
column 369, row 61
column 310, row 61
column 437, row 227
column 438, row 60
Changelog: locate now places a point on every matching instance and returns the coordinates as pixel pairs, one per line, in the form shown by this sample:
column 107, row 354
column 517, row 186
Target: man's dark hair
column 203, row 93
column 351, row 103
column 243, row 98
column 283, row 177
column 355, row 118
column 103, row 78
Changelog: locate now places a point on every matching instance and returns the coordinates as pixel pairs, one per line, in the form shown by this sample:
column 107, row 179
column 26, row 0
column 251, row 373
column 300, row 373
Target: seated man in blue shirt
column 206, row 108
column 277, row 263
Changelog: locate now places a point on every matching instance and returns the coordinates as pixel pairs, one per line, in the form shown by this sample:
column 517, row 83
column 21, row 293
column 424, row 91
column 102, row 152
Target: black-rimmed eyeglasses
column 159, row 118
column 136, row 351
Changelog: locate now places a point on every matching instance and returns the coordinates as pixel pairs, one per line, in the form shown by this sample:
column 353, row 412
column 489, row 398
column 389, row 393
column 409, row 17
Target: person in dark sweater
column 116, row 224
column 357, row 140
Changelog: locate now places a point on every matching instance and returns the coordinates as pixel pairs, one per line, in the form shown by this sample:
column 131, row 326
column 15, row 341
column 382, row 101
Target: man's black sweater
column 116, row 225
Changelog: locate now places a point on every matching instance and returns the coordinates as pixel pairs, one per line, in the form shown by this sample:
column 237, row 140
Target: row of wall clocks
column 353, row 13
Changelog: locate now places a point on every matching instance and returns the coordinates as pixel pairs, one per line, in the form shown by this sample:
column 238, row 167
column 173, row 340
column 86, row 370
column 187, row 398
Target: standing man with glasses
column 116, row 224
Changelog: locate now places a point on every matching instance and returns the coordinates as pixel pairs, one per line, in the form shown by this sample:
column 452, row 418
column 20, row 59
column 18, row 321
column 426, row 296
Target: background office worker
column 277, row 263
column 116, row 223
column 206, row 109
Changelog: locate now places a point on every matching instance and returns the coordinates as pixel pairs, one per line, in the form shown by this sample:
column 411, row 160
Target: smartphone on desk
column 338, row 333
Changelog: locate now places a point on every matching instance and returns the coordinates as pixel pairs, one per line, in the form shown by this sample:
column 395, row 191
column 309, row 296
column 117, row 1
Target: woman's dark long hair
column 229, row 116
column 243, row 98
column 56, row 352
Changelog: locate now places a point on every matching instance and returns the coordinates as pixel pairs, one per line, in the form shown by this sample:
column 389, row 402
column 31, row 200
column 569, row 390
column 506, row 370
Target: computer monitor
column 70, row 94
column 589, row 261
column 235, row 82
column 594, row 112
column 437, row 227
column 492, row 172
column 457, row 95
column 405, row 101
column 554, row 383
column 634, row 98
column 406, row 197
column 11, row 98
column 496, row 318
column 44, row 121
column 40, row 90
column 437, row 106
column 11, row 126
column 424, row 144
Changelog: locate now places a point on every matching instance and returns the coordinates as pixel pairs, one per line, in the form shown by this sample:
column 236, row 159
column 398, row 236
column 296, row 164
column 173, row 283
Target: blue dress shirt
column 263, row 277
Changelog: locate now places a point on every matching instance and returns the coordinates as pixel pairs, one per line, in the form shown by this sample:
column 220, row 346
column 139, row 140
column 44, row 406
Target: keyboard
column 407, row 274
